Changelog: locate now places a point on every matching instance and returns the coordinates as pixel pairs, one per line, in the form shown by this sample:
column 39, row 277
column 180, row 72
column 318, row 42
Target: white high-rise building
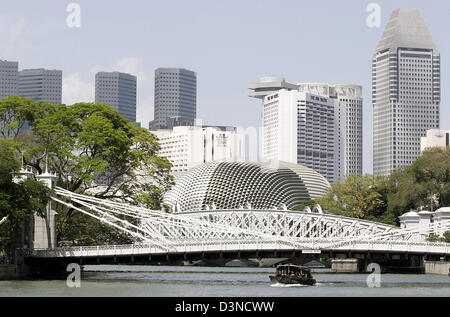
column 189, row 146
column 435, row 138
column 41, row 85
column 406, row 91
column 8, row 79
column 303, row 128
column 348, row 116
column 350, row 123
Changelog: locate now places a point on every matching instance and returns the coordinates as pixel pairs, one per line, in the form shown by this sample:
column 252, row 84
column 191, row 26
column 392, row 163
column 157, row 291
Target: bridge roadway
column 236, row 234
column 312, row 246
column 395, row 256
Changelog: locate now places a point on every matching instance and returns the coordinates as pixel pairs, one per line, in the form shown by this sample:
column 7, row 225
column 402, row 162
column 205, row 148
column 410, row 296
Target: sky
column 228, row 43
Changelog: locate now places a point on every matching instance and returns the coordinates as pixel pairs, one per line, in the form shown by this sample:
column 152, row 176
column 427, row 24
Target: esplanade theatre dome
column 230, row 185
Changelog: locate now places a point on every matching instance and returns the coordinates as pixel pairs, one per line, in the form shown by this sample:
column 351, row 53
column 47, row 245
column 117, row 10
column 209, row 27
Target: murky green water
column 165, row 281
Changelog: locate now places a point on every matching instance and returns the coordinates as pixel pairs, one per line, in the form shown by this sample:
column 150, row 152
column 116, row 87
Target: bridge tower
column 45, row 227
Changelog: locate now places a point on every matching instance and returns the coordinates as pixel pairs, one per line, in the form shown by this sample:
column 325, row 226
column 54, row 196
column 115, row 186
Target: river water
column 169, row 281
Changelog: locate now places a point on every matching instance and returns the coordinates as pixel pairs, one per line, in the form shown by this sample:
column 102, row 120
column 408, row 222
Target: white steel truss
column 3, row 220
column 168, row 231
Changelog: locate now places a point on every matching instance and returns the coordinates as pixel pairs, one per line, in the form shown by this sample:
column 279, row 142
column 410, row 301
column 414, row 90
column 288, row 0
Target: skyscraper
column 406, row 90
column 349, row 121
column 175, row 98
column 316, row 104
column 41, row 85
column 303, row 128
column 117, row 90
column 8, row 79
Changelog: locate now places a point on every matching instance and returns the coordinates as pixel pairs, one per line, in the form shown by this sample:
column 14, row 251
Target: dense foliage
column 17, row 199
column 93, row 150
column 423, row 185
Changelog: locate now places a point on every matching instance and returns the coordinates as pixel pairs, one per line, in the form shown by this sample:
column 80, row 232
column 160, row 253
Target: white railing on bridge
column 240, row 230
column 185, row 247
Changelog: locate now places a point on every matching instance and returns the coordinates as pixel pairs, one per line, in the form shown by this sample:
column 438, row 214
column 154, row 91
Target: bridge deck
column 244, row 246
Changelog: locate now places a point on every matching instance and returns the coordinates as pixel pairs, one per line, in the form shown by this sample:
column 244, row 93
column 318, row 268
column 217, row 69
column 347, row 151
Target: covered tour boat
column 292, row 274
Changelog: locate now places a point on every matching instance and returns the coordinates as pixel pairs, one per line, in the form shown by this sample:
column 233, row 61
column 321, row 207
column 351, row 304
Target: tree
column 424, row 184
column 436, row 238
column 361, row 197
column 18, row 200
column 433, row 237
column 93, row 150
column 306, row 203
column 446, row 236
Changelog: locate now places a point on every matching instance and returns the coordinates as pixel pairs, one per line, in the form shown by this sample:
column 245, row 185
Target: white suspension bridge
column 240, row 231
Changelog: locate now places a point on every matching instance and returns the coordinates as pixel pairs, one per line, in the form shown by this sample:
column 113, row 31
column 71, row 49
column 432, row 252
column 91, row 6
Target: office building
column 302, row 128
column 435, row 138
column 189, row 146
column 8, row 79
column 175, row 98
column 117, row 90
column 41, row 85
column 405, row 91
column 349, row 121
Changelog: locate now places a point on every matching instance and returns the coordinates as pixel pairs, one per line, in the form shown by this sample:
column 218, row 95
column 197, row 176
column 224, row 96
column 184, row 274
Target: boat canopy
column 292, row 268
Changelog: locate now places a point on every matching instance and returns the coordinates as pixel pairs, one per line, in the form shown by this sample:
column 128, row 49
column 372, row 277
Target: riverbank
column 8, row 272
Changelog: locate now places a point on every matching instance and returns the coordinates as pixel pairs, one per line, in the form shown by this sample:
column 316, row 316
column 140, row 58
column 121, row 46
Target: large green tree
column 363, row 197
column 423, row 185
column 93, row 150
column 18, row 199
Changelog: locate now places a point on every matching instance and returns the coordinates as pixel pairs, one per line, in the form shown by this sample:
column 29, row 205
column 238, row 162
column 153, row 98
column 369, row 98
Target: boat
column 292, row 274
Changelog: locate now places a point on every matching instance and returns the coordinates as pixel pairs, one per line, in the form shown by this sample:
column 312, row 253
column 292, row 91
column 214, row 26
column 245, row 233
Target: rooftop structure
column 228, row 185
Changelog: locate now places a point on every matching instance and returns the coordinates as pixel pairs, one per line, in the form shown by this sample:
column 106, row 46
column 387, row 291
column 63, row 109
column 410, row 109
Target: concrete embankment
column 345, row 265
column 437, row 267
column 8, row 272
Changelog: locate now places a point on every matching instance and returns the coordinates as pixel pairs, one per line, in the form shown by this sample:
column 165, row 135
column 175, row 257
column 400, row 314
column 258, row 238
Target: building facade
column 302, row 128
column 435, row 138
column 9, row 79
column 405, row 91
column 349, row 121
column 189, row 146
column 119, row 91
column 175, row 98
column 41, row 85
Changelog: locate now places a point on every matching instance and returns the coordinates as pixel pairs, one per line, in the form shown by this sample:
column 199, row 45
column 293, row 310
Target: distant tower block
column 175, row 98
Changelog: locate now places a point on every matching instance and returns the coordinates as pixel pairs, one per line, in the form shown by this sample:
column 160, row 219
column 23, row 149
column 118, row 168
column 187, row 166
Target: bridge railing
column 245, row 245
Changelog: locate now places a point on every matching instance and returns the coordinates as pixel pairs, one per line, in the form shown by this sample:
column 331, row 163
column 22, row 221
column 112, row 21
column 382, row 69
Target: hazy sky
column 228, row 43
